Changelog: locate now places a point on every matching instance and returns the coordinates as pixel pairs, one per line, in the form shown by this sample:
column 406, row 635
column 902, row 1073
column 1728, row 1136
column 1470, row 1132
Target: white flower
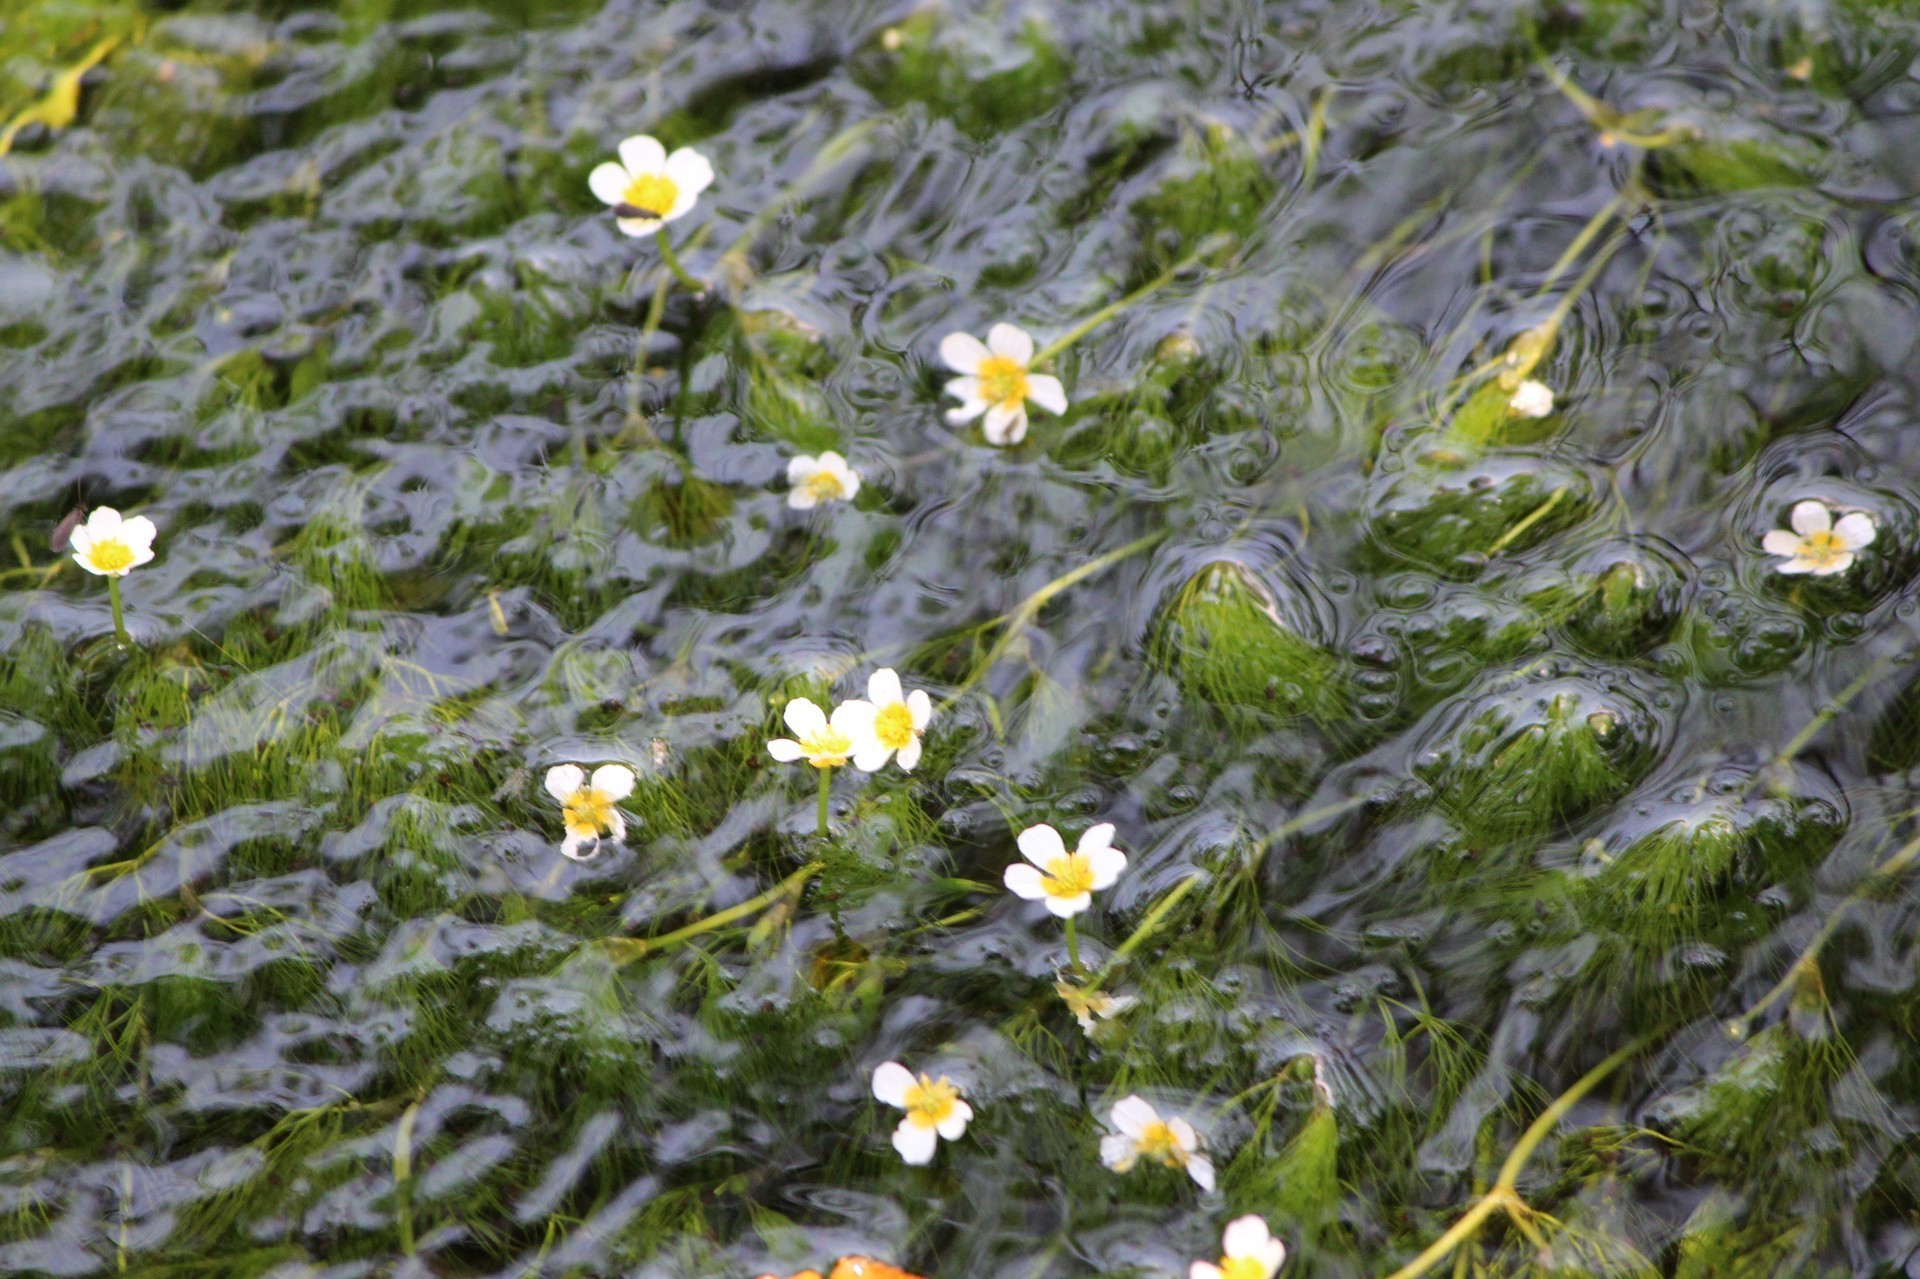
column 649, row 188
column 996, row 382
column 822, row 742
column 588, row 807
column 1065, row 881
column 933, row 1107
column 898, row 720
column 826, row 478
column 1532, row 399
column 111, row 546
column 1086, row 1005
column 1250, row 1252
column 1143, row 1134
column 1819, row 544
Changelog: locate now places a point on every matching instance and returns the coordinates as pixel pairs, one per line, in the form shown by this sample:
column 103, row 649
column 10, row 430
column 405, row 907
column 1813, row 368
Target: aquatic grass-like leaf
column 1451, row 514
column 1231, row 642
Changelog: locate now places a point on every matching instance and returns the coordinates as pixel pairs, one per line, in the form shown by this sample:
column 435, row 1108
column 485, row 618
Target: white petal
column 103, row 522
column 954, row 1126
column 1024, row 881
column 850, row 483
column 1133, row 1115
column 1045, row 390
column 690, row 171
column 638, row 227
column 1095, row 837
column 616, row 825
column 1205, row 1270
column 883, row 687
column 138, row 533
column 1041, row 844
column 1798, row 565
column 1118, row 1151
column 921, row 708
column 962, row 352
column 141, row 555
column 1273, row 1256
column 915, row 1144
column 1068, row 907
column 855, row 718
column 910, row 755
column 1838, row 564
column 1117, row 1004
column 1005, row 427
column 1012, row 341
column 1245, row 1237
column 801, row 469
column 1107, row 864
column 966, row 412
column 1780, row 542
column 802, row 499
column 1200, row 1168
column 609, row 183
column 804, row 718
column 1810, row 517
column 563, row 780
column 783, row 750
column 871, row 757
column 570, row 847
column 1854, row 531
column 891, row 1082
column 616, row 780
column 80, row 541
column 642, row 155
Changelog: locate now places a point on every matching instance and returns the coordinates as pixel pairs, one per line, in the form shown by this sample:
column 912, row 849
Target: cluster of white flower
column 866, row 733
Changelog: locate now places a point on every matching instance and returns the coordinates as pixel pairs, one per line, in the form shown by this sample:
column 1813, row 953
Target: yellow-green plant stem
column 1502, row 1196
column 826, row 785
column 1073, row 948
column 672, row 260
column 1155, row 917
column 625, row 950
column 119, row 617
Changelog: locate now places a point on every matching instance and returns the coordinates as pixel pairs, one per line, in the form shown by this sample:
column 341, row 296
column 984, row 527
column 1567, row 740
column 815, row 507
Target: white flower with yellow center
column 111, row 546
column 824, row 742
column 1065, row 881
column 589, row 807
column 933, row 1106
column 1250, row 1252
column 1085, row 1005
column 649, row 188
column 995, row 381
column 1142, row 1134
column 1531, row 399
column 899, row 718
column 1819, row 544
column 826, row 478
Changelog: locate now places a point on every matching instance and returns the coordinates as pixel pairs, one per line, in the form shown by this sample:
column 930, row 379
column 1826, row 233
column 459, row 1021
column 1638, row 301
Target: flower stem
column 826, row 784
column 1073, row 948
column 119, row 616
column 672, row 260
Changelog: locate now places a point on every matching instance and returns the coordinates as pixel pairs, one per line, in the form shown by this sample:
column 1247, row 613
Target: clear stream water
column 1464, row 761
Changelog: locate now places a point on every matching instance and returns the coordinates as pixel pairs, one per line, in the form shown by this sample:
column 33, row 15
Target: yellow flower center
column 1069, row 876
column 826, row 486
column 893, row 726
column 1243, row 1268
column 588, row 813
column 930, row 1101
column 653, row 194
column 829, row 749
column 111, row 556
column 1158, row 1142
column 1822, row 549
column 1003, row 382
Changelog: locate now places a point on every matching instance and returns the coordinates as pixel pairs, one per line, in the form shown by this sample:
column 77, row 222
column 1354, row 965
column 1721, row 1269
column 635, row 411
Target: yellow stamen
column 1822, row 549
column 1243, row 1268
column 893, row 726
column 588, row 813
column 1159, row 1142
column 1003, row 382
column 930, row 1102
column 653, row 194
column 111, row 556
column 830, row 749
column 825, row 486
column 1069, row 875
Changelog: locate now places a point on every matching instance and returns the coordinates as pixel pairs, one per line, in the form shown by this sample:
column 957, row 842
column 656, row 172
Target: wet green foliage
column 1456, row 753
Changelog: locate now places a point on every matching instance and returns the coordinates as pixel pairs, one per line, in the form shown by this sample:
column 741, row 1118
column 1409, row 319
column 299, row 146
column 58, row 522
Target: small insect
column 63, row 531
column 635, row 211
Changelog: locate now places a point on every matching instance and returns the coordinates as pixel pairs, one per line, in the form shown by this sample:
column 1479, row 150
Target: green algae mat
column 680, row 638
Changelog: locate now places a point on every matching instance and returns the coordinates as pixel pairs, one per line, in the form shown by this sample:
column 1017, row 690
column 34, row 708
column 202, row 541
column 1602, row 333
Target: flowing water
column 1509, row 839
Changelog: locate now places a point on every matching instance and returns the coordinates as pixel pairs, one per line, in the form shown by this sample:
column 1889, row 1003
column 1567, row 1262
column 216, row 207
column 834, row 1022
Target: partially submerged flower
column 1142, row 1134
column 1085, row 1005
column 590, row 807
column 1819, row 544
column 898, row 720
column 826, row 478
column 995, row 381
column 933, row 1106
column 111, row 546
column 1249, row 1251
column 823, row 742
column 1531, row 399
column 649, row 188
column 1065, row 881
